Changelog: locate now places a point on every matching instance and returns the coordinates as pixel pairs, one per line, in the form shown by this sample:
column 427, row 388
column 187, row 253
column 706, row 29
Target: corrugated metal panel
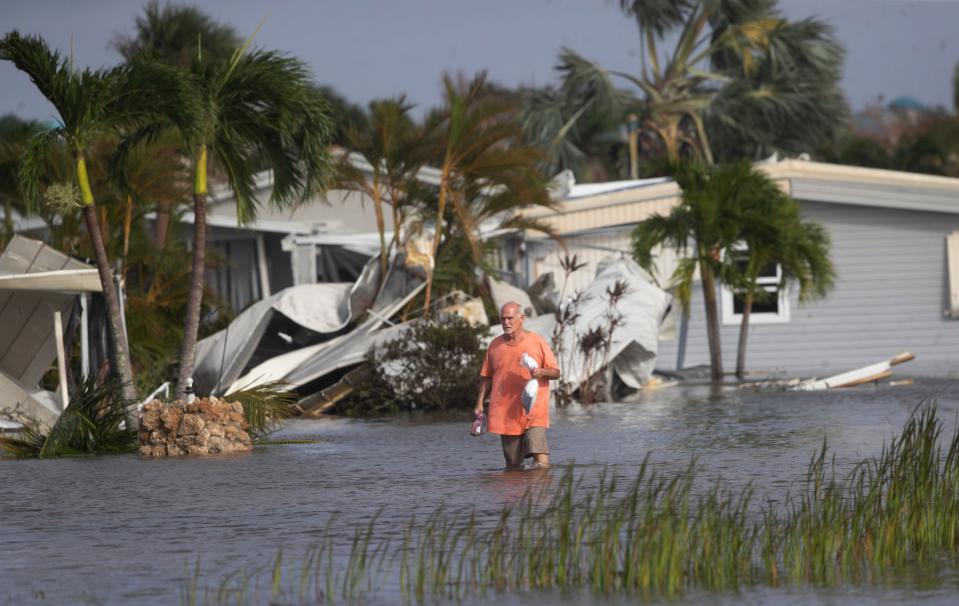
column 890, row 296
column 591, row 248
column 623, row 213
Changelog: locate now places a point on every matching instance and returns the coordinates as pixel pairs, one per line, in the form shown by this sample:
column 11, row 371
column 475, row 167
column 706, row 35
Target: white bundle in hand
column 532, row 386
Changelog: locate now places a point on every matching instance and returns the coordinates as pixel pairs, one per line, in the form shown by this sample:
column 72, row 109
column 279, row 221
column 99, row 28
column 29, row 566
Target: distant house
column 895, row 244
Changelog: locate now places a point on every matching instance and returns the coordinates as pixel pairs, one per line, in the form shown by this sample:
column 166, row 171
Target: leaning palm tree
column 740, row 80
column 396, row 149
column 704, row 226
column 259, row 113
column 90, row 103
column 485, row 169
column 775, row 235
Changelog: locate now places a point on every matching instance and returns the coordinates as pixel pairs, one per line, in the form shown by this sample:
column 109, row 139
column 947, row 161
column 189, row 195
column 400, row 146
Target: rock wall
column 206, row 426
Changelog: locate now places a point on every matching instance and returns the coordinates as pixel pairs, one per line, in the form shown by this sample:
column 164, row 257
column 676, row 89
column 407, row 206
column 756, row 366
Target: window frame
column 768, row 283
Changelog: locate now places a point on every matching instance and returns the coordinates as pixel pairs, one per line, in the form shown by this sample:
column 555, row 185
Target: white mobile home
column 895, row 244
column 327, row 239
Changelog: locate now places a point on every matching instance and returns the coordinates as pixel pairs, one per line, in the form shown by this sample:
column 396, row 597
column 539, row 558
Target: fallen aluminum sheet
column 19, row 404
column 307, row 364
column 302, row 366
column 635, row 343
column 322, row 308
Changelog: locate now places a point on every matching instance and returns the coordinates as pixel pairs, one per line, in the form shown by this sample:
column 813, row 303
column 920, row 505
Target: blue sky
column 370, row 49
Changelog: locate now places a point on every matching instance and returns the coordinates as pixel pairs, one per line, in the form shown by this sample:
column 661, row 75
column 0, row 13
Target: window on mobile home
column 771, row 309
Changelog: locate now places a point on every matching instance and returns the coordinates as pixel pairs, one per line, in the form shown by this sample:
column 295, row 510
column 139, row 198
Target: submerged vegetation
column 653, row 536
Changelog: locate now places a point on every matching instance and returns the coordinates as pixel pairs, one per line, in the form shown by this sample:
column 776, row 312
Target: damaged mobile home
column 293, row 338
column 38, row 284
column 895, row 247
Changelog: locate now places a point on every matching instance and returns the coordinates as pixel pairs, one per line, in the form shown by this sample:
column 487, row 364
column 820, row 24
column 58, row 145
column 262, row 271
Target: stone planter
column 206, row 426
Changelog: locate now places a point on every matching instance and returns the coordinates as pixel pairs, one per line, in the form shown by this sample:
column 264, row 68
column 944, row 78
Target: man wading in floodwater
column 504, row 376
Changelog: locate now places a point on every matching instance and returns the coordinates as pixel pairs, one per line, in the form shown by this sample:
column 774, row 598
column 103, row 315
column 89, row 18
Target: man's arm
column 484, row 388
column 550, row 374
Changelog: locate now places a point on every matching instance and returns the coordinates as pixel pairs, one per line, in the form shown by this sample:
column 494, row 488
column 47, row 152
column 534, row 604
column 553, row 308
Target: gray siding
column 890, row 296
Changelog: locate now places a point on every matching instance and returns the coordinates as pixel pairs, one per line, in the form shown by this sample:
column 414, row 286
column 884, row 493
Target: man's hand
column 547, row 374
column 484, row 388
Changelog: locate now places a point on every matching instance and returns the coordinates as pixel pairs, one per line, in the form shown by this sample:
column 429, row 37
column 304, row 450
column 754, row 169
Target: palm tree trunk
column 7, row 220
column 744, row 335
column 712, row 322
column 119, row 351
column 441, row 208
column 397, row 223
column 116, row 338
column 191, row 323
column 162, row 225
column 127, row 227
column 380, row 224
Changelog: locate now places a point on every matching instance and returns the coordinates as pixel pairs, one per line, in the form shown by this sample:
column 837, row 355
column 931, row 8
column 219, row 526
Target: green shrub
column 433, row 365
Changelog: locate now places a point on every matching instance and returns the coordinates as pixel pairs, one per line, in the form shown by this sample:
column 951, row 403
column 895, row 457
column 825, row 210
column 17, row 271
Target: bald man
column 503, row 378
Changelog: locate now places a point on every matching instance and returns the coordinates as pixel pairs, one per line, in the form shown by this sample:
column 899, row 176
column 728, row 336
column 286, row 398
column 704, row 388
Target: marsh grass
column 653, row 536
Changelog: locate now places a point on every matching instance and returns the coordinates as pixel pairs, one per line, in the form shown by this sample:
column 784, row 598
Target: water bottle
column 478, row 424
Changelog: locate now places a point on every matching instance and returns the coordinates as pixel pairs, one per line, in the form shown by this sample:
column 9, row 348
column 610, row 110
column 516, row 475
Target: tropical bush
column 434, row 365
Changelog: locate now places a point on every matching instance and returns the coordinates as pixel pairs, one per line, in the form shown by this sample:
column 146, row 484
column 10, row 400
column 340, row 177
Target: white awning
column 64, row 280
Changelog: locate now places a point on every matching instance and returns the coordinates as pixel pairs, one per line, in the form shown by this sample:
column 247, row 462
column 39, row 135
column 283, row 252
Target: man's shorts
column 516, row 448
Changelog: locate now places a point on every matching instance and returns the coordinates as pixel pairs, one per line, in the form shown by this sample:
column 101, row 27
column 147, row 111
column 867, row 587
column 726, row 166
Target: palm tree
column 705, row 225
column 583, row 138
column 259, row 112
column 91, row 103
column 15, row 136
column 396, row 151
column 800, row 249
column 175, row 35
column 774, row 234
column 485, row 169
column 739, row 75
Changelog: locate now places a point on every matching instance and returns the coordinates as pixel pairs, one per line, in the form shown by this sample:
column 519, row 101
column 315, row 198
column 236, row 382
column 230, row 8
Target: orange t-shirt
column 503, row 364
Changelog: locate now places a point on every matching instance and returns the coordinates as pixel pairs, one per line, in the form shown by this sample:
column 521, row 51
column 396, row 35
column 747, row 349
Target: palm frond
column 25, row 444
column 265, row 405
column 33, row 167
column 91, row 424
column 657, row 16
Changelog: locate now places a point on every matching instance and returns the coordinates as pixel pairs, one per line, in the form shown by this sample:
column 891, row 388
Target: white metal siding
column 891, row 295
column 591, row 249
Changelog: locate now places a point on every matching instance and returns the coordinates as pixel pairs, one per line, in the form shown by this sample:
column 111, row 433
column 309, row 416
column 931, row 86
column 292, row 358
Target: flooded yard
column 124, row 530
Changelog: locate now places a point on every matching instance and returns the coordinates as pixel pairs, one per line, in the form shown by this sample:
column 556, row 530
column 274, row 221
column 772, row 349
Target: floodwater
column 121, row 530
